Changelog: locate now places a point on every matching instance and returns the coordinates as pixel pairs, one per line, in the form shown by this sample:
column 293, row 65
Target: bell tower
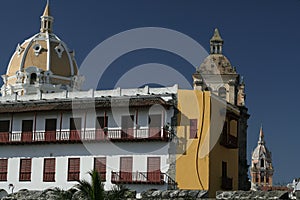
column 218, row 75
column 261, row 165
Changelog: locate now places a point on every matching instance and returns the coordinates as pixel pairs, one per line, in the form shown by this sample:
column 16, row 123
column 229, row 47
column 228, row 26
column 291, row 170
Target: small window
column 37, row 49
column 233, row 127
column 33, row 78
column 224, row 169
column 193, row 128
column 3, row 169
column 225, row 129
column 73, row 169
column 100, row 167
column 25, row 170
column 49, row 170
column 222, row 92
column 59, row 50
column 262, row 163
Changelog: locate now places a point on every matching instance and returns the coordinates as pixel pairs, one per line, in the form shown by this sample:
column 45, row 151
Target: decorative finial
column 216, row 36
column 261, row 135
column 46, row 20
column 47, row 9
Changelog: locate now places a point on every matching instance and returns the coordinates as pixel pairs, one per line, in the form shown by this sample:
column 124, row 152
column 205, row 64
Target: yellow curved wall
column 206, row 148
column 192, row 104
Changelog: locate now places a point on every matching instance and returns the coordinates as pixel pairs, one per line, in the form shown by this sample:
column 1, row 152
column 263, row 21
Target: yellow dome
column 46, row 52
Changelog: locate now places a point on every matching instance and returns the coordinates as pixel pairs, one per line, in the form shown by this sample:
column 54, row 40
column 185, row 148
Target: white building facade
column 52, row 134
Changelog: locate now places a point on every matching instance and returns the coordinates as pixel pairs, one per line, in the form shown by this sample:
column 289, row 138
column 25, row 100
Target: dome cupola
column 42, row 63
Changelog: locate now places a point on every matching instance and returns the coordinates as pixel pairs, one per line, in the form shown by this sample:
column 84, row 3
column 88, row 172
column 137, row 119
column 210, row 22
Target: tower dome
column 218, row 75
column 216, row 62
column 41, row 63
column 261, row 166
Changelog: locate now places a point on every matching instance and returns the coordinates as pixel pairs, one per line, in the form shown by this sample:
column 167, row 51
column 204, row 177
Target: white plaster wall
column 91, row 94
column 86, row 152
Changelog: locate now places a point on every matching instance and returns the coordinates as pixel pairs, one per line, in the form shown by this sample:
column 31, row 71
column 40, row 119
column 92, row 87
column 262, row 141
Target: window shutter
column 49, row 170
column 100, row 167
column 74, row 169
column 3, row 169
column 25, row 170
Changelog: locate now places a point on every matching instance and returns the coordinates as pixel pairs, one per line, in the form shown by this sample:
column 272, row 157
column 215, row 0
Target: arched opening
column 262, row 163
column 33, row 78
column 222, row 92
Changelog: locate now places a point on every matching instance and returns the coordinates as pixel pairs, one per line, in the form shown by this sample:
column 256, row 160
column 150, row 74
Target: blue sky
column 261, row 40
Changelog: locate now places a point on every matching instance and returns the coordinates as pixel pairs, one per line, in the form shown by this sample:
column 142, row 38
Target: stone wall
column 156, row 195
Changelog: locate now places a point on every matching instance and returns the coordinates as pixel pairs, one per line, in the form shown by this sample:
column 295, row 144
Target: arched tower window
column 222, row 92
column 262, row 163
column 33, row 78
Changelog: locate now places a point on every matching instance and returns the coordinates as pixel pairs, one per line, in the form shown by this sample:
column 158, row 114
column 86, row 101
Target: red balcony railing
column 145, row 134
column 155, row 177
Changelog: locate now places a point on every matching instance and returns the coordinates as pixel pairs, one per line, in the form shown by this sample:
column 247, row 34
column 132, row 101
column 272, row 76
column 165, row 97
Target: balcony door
column 27, row 128
column 75, row 129
column 50, row 130
column 127, row 124
column 153, row 169
column 154, row 126
column 126, row 169
column 4, row 130
column 101, row 123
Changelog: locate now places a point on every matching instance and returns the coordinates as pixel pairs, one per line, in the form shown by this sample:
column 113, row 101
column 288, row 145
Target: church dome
column 216, row 64
column 46, row 52
column 261, row 150
column 43, row 54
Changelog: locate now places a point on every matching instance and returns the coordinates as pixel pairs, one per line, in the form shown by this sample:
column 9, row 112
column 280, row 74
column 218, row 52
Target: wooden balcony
column 155, row 177
column 114, row 135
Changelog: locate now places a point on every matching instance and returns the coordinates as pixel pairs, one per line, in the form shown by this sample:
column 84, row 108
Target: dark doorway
column 154, row 126
column 101, row 123
column 75, row 129
column 4, row 130
column 127, row 124
column 50, row 130
column 27, row 128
